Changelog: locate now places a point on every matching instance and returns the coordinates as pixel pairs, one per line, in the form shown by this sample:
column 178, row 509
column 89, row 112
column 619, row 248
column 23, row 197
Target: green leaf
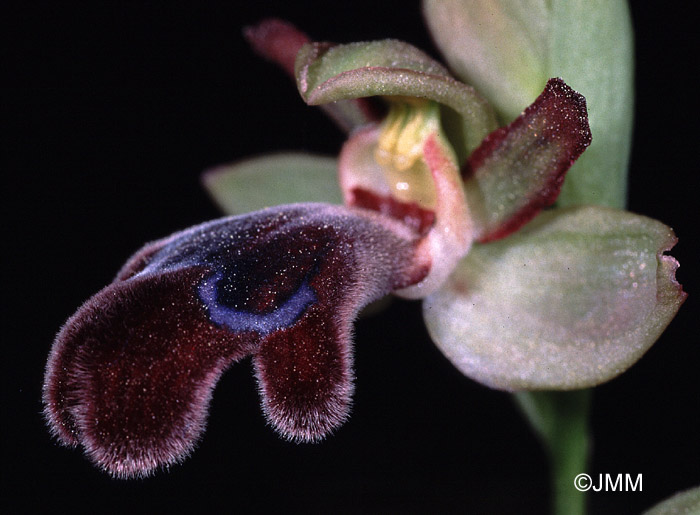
column 682, row 503
column 570, row 301
column 327, row 73
column 272, row 180
column 499, row 47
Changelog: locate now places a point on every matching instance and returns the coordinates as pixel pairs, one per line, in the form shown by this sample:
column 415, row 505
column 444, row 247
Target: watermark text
column 609, row 483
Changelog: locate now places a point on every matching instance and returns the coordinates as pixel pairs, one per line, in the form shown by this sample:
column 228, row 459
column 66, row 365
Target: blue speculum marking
column 239, row 320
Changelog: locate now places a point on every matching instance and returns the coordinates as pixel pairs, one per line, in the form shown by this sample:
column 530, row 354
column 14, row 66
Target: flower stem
column 560, row 419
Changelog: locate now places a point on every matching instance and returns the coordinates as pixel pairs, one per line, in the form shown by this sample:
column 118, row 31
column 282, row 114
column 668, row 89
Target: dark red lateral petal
column 131, row 374
column 279, row 41
column 518, row 170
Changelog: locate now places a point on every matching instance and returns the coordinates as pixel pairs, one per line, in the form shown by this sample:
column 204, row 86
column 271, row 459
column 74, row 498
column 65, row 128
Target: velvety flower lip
column 131, row 374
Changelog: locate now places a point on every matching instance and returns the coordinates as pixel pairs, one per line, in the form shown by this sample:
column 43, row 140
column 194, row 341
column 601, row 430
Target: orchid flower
column 438, row 203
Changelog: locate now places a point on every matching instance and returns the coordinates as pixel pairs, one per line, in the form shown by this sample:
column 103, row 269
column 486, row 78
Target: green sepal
column 327, row 73
column 570, row 301
column 271, row 180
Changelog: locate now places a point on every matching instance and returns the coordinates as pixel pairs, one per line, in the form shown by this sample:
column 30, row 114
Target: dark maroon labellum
column 131, row 374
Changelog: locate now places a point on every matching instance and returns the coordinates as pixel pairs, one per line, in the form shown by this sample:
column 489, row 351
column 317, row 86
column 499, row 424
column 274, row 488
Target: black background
column 114, row 109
